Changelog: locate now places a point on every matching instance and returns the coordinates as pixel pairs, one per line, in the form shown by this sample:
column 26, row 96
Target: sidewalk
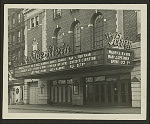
column 78, row 109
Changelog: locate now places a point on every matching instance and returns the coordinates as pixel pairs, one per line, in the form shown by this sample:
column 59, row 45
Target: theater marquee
column 103, row 56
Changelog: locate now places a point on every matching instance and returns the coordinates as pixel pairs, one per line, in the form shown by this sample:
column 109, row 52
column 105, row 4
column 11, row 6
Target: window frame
column 98, row 30
column 19, row 37
column 33, row 21
column 57, row 13
column 36, row 20
column 19, row 17
column 13, row 21
column 60, row 41
column 13, row 38
column 77, row 38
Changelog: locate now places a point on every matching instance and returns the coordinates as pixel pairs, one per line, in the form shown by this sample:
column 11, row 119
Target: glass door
column 125, row 93
column 61, row 91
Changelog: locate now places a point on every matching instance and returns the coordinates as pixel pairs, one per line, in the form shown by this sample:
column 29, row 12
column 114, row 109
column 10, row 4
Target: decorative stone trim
column 53, row 37
column 90, row 25
column 96, row 11
column 69, row 32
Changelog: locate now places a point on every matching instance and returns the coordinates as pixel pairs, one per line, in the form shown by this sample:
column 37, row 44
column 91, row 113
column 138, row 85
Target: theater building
column 81, row 57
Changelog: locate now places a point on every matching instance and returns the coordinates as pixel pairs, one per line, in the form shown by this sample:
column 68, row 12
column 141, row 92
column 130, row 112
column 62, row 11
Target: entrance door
column 125, row 93
column 33, row 93
column 61, row 91
column 108, row 93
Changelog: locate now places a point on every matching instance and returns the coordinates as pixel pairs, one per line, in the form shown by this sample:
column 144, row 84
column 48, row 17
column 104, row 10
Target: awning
column 16, row 82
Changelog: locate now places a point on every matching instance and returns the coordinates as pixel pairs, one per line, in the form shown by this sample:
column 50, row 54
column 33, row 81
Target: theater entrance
column 61, row 91
column 107, row 90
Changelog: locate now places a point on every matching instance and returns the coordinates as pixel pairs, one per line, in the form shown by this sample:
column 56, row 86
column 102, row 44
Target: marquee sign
column 65, row 63
column 108, row 56
column 117, row 40
column 118, row 57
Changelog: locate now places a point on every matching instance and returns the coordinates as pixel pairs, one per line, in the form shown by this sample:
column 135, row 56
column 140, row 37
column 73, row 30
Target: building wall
column 84, row 17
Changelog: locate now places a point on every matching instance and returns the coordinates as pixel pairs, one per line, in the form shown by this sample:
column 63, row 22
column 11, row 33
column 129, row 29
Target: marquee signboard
column 118, row 57
column 65, row 63
column 103, row 56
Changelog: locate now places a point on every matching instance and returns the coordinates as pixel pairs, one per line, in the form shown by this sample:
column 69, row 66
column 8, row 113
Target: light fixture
column 104, row 20
column 53, row 37
column 70, row 32
column 90, row 25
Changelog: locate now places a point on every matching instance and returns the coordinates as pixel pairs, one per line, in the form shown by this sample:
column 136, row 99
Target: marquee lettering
column 37, row 55
column 117, row 40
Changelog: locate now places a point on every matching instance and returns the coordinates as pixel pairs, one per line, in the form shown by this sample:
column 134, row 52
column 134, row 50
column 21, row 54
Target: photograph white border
column 142, row 116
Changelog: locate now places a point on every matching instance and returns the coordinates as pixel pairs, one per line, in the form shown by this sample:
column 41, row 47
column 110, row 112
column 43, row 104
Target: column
column 136, row 76
column 44, row 44
column 119, row 21
column 26, row 92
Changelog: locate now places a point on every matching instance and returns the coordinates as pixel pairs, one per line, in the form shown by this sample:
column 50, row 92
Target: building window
column 13, row 38
column 98, row 31
column 19, row 18
column 34, row 44
column 18, row 36
column 19, row 54
column 32, row 22
column 24, row 52
column 57, row 13
column 13, row 20
column 23, row 35
column 59, row 38
column 37, row 20
column 77, row 38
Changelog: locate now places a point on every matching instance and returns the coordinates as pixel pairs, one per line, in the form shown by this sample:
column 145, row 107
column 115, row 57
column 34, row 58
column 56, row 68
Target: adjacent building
column 16, row 48
column 81, row 57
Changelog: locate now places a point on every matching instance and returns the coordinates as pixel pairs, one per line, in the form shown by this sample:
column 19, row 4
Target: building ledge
column 134, row 60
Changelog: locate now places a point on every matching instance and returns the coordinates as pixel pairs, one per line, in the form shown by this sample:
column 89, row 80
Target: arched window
column 59, row 38
column 98, row 31
column 77, row 38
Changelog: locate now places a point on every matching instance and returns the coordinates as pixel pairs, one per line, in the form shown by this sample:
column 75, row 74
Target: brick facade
column 124, row 22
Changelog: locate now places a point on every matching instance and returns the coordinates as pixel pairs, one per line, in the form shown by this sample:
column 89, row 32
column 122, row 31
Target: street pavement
column 72, row 109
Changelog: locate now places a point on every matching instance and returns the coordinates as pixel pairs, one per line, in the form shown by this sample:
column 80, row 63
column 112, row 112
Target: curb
column 72, row 111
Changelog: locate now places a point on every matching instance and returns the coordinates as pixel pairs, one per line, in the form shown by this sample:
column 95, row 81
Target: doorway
column 33, row 93
column 61, row 91
column 108, row 92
